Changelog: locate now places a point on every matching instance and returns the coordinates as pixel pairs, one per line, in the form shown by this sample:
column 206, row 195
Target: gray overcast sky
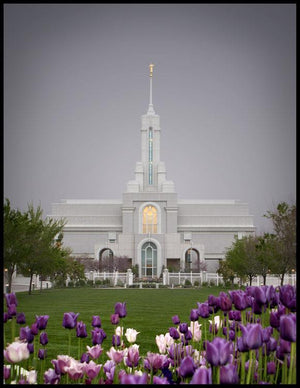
column 76, row 84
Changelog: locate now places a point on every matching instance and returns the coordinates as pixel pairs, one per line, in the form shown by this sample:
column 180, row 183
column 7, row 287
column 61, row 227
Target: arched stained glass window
column 149, row 259
column 149, row 219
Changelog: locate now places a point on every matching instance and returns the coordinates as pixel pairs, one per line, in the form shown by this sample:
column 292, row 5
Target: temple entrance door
column 149, row 260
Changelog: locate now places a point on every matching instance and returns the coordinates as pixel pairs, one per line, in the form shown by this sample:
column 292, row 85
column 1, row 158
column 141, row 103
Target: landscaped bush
column 103, row 283
column 240, row 337
column 187, row 283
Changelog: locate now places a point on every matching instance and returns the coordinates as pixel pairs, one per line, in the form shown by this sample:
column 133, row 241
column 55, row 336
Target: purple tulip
column 228, row 374
column 213, row 301
column 42, row 354
column 41, row 321
column 34, row 328
column 160, row 380
column 12, row 310
column 133, row 357
column 96, row 322
column 85, row 358
column 283, row 348
column 51, row 377
column 154, row 361
column 120, row 309
column 252, row 335
column 225, row 302
column 235, row 315
column 288, row 327
column 30, row 347
column 174, row 333
column 259, row 295
column 194, row 315
column 231, row 333
column 81, row 330
column 188, row 335
column 202, row 375
column 256, row 307
column 271, row 368
column 183, row 327
column 203, row 310
column 133, row 379
column 116, row 340
column 20, row 318
column 175, row 320
column 26, row 334
column 218, row 351
column 271, row 345
column 115, row 319
column 241, row 345
column 176, row 351
column 187, row 367
column 43, row 338
column 266, row 333
column 287, row 296
column 274, row 319
column 6, row 372
column 11, row 299
column 70, row 320
column 240, row 299
column 98, row 336
column 6, row 317
column 270, row 294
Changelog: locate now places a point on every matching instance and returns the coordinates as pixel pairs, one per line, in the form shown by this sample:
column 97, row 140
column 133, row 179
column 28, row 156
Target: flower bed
column 239, row 337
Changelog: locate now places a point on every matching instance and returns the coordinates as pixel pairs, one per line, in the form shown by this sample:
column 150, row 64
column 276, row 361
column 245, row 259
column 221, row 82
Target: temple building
column 149, row 225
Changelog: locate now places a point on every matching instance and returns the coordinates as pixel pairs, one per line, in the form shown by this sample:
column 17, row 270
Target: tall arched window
column 149, row 219
column 149, row 259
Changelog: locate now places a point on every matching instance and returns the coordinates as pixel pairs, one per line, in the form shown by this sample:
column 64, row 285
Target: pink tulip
column 95, row 351
column 91, row 369
column 16, row 352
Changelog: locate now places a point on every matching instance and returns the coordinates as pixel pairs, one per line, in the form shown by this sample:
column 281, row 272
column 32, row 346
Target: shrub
column 187, row 283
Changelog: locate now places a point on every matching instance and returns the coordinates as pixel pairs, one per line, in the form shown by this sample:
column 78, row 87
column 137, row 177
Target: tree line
column 269, row 253
column 33, row 246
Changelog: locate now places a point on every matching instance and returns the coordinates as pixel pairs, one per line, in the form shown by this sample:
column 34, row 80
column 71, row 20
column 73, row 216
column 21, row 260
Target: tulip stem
column 243, row 368
column 292, row 363
column 69, row 345
column 13, row 327
column 218, row 374
column 265, row 362
column 79, row 343
column 250, row 366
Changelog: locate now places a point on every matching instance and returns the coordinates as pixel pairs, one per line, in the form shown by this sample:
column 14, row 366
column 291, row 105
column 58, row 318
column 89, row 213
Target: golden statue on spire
column 151, row 69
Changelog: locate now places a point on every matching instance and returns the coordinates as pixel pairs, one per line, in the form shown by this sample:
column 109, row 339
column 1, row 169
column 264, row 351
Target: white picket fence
column 172, row 279
column 169, row 279
column 203, row 278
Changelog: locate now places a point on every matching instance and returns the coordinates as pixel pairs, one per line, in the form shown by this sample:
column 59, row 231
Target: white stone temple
column 149, row 224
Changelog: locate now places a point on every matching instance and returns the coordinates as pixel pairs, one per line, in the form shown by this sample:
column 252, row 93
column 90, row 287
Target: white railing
column 170, row 279
column 203, row 278
column 115, row 278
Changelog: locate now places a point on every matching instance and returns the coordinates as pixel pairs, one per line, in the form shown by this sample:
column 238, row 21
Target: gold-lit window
column 149, row 219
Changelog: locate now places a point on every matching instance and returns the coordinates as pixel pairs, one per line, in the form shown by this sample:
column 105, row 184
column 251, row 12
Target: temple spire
column 150, row 108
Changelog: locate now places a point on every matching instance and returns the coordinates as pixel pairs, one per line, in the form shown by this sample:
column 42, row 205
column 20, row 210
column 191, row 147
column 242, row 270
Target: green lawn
column 149, row 311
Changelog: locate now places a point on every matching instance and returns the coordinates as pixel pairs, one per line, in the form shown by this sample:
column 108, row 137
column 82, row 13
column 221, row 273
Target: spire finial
column 150, row 108
column 151, row 69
